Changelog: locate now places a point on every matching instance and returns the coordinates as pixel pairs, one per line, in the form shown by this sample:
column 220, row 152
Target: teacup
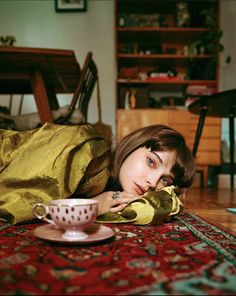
column 71, row 215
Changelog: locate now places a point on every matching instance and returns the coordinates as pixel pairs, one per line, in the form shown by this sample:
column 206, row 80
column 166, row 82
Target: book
column 232, row 210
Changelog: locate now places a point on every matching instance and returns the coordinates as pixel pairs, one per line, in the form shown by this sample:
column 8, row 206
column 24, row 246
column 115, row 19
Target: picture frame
column 71, row 5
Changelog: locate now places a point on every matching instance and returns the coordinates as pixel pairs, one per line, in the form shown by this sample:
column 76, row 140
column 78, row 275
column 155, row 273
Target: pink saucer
column 96, row 232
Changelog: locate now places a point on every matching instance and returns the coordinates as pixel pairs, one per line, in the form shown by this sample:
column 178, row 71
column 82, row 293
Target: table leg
column 52, row 98
column 199, row 129
column 41, row 97
column 231, row 143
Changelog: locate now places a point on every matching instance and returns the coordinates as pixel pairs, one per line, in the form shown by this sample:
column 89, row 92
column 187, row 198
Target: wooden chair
column 84, row 90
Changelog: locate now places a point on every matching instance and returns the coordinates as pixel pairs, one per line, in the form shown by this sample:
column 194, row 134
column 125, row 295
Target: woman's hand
column 108, row 204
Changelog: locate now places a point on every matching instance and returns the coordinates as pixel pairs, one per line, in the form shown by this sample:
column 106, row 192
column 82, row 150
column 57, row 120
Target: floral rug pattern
column 187, row 256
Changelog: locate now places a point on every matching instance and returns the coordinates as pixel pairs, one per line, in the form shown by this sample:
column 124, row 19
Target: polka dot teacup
column 71, row 215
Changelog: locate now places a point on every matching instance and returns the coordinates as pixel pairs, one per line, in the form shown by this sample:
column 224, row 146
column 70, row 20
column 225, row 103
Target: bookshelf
column 165, row 57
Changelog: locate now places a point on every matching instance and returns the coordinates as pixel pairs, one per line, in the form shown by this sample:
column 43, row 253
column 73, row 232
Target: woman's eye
column 150, row 162
column 165, row 181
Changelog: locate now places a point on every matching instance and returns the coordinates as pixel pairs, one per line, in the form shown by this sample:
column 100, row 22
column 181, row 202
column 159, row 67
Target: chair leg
column 204, row 173
column 199, row 129
column 231, row 141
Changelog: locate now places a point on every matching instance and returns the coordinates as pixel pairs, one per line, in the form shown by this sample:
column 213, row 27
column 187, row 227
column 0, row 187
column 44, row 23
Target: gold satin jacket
column 48, row 163
column 57, row 161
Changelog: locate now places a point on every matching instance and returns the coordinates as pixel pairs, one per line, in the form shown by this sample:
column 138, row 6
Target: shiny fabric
column 154, row 208
column 51, row 162
column 58, row 161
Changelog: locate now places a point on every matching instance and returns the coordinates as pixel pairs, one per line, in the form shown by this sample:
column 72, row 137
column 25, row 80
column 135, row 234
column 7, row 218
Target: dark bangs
column 183, row 169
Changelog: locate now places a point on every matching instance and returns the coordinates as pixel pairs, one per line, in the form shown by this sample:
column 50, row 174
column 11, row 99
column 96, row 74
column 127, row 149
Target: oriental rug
column 187, row 256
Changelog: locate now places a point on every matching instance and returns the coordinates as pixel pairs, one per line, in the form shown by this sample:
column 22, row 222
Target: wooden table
column 41, row 72
column 221, row 104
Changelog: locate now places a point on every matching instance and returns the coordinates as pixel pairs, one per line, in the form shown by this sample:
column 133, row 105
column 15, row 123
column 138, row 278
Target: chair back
column 84, row 90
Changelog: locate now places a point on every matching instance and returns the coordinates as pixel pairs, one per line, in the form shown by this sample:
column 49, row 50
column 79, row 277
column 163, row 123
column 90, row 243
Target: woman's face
column 144, row 170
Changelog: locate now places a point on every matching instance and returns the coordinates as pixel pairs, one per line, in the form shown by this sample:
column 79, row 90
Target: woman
column 57, row 161
column 148, row 159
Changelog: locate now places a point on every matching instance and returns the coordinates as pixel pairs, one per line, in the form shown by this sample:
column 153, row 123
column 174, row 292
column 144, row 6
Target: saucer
column 96, row 232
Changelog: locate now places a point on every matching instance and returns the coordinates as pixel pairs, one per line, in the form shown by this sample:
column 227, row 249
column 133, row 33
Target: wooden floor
column 211, row 204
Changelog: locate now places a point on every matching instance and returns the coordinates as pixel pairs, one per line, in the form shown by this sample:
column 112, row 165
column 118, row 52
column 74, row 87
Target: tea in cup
column 71, row 215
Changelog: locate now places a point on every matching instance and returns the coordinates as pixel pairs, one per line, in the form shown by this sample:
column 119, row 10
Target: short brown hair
column 158, row 138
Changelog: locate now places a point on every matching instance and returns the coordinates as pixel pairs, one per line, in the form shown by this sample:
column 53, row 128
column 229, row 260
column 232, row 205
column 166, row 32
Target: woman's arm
column 107, row 204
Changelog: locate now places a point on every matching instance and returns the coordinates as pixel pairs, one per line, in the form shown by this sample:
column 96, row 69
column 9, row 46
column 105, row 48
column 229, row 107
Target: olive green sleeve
column 48, row 163
column 154, row 208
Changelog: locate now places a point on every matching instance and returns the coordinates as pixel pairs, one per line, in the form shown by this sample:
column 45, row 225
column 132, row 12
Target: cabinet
column 184, row 122
column 167, row 53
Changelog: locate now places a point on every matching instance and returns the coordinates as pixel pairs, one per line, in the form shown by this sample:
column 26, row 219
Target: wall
column 35, row 23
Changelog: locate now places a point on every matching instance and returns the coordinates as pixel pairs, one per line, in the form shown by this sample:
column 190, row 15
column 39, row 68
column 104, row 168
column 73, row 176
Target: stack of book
column 194, row 92
column 200, row 90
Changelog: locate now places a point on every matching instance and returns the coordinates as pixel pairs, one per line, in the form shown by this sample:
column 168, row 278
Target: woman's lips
column 139, row 189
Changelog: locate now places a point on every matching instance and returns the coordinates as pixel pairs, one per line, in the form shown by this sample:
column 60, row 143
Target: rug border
column 224, row 228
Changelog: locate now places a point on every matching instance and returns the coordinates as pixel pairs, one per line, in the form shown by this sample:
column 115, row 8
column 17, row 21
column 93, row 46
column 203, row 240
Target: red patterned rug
column 188, row 256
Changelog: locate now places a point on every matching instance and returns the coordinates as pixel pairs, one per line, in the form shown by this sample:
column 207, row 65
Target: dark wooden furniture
column 85, row 87
column 222, row 104
column 209, row 152
column 148, row 42
column 39, row 71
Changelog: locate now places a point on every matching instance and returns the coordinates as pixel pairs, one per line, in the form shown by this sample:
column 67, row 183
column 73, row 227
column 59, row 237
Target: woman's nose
column 152, row 182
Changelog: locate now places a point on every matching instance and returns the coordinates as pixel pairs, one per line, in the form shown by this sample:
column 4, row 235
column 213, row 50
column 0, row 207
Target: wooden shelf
column 163, row 56
column 147, row 48
column 137, row 81
column 162, row 29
